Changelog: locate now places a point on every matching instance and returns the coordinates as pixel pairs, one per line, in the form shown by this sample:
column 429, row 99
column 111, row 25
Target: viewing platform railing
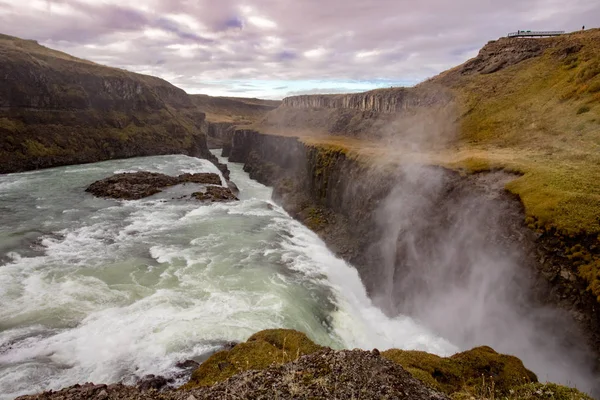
column 535, row 33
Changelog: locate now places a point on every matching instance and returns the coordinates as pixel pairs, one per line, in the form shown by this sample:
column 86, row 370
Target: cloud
column 283, row 40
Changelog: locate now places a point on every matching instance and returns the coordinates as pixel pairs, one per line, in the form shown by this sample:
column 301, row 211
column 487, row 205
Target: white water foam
column 131, row 288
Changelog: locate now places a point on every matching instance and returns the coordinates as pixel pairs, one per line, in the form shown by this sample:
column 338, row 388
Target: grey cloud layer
column 191, row 42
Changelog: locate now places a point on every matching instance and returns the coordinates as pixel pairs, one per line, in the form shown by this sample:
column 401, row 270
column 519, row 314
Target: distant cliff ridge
column 56, row 109
column 381, row 100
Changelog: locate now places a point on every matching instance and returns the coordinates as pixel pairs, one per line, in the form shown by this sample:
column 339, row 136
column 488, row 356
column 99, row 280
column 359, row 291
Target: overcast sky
column 275, row 48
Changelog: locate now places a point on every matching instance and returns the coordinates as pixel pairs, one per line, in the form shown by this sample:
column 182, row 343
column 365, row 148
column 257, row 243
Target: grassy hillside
column 526, row 105
column 529, row 106
column 540, row 117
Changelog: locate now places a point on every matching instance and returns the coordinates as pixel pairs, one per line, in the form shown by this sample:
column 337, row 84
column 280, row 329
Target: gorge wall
column 450, row 250
column 58, row 110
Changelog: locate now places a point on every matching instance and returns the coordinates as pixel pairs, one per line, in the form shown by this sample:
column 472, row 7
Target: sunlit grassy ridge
column 539, row 117
column 546, row 112
column 526, row 106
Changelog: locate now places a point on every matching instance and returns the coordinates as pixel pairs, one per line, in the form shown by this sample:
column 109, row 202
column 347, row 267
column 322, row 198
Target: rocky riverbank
column 286, row 364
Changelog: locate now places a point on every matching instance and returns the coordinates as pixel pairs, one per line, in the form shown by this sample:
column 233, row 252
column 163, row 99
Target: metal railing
column 535, row 33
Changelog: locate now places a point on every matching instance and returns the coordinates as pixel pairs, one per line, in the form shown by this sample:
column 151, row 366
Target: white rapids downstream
column 96, row 290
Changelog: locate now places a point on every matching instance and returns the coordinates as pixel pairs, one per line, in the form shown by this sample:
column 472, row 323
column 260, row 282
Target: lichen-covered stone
column 467, row 369
column 259, row 351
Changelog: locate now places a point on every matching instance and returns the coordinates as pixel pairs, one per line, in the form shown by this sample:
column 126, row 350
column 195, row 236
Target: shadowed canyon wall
column 58, row 110
column 450, row 250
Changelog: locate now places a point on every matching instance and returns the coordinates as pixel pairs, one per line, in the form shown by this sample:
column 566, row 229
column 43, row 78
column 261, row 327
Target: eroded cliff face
column 219, row 135
column 450, row 250
column 376, row 114
column 56, row 109
column 382, row 100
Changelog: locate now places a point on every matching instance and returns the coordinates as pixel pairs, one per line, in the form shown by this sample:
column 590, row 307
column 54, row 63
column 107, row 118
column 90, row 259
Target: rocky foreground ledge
column 285, row 364
column 138, row 185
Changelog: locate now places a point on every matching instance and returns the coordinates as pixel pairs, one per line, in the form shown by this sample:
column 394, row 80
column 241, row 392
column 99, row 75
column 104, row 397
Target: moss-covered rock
column 274, row 346
column 469, row 369
column 530, row 391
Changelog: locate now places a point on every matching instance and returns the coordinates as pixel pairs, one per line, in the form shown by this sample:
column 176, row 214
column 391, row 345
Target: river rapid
column 107, row 291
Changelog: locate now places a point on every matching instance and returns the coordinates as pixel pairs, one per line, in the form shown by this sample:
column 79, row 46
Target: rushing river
column 105, row 291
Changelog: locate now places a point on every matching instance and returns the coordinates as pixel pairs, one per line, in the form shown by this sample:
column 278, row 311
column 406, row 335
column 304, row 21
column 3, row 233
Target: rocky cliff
column 56, row 109
column 280, row 363
column 420, row 235
column 382, row 100
column 529, row 107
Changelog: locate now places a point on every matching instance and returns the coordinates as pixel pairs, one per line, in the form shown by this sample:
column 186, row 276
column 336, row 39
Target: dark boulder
column 214, row 194
column 153, row 382
column 206, row 178
column 137, row 185
column 131, row 186
column 233, row 187
column 187, row 364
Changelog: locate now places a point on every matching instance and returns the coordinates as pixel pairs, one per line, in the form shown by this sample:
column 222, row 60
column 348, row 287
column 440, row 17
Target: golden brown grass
column 234, row 110
column 539, row 118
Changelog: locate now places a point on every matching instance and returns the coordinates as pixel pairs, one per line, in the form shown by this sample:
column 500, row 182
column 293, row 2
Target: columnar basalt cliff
column 383, row 100
column 56, row 109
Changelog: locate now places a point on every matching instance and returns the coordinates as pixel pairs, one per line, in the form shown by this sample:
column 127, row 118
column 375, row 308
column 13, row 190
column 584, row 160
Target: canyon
column 468, row 202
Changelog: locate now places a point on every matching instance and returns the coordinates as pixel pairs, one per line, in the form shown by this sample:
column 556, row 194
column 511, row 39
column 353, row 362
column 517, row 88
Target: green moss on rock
column 530, row 391
column 464, row 370
column 480, row 373
column 274, row 346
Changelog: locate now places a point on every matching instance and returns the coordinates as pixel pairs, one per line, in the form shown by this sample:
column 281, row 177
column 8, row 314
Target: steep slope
column 56, row 109
column 526, row 106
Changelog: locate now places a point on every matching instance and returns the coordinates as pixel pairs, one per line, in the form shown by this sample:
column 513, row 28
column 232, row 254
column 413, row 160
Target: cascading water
column 105, row 291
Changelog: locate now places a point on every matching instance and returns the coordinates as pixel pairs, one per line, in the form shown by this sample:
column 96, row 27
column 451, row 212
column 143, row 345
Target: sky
column 278, row 48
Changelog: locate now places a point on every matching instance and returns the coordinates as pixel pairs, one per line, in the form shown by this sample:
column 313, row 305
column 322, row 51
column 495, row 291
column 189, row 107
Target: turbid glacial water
column 106, row 291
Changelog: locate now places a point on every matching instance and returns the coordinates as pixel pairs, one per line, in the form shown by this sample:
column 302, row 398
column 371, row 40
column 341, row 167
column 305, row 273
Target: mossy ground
column 234, row 110
column 275, row 346
column 480, row 373
column 530, row 391
column 464, row 371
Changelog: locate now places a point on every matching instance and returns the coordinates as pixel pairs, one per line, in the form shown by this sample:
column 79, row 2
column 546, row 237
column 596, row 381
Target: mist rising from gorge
column 454, row 253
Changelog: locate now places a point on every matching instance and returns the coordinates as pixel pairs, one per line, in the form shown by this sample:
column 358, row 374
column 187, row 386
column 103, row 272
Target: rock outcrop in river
column 137, row 185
